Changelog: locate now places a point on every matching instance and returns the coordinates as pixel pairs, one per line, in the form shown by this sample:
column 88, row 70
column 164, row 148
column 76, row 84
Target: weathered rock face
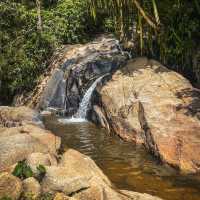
column 24, row 138
column 72, row 73
column 146, row 103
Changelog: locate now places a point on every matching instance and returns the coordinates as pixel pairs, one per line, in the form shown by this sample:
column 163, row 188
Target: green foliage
column 5, row 198
column 166, row 30
column 22, row 170
column 24, row 52
column 67, row 22
column 41, row 172
column 46, row 196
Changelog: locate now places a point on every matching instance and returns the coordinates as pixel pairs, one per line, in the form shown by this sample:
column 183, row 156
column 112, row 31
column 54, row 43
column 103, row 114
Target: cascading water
column 81, row 114
column 83, row 107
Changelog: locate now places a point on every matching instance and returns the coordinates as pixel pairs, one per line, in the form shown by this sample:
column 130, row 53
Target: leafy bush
column 165, row 30
column 41, row 172
column 67, row 22
column 22, row 170
column 5, row 198
column 24, row 52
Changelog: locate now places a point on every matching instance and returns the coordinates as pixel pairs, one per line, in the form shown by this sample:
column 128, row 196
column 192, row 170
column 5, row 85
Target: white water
column 71, row 120
column 83, row 106
column 81, row 114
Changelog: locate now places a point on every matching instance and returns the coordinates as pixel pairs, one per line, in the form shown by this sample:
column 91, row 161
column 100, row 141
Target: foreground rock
column 31, row 187
column 73, row 177
column 10, row 186
column 76, row 177
column 18, row 142
column 72, row 72
column 79, row 177
column 144, row 102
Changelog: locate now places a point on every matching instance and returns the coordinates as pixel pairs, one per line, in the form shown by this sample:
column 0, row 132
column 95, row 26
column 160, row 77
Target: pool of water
column 128, row 166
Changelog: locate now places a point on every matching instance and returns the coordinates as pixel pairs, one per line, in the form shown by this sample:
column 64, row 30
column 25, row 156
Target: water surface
column 127, row 166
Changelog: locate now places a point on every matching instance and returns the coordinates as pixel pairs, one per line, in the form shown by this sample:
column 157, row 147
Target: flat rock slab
column 144, row 102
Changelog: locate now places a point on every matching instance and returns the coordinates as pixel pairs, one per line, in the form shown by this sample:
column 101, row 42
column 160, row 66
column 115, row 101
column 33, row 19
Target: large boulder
column 17, row 143
column 64, row 180
column 10, row 186
column 73, row 71
column 144, row 102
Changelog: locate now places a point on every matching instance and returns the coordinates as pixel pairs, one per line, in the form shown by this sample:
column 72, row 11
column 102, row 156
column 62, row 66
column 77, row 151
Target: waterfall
column 83, row 106
column 81, row 114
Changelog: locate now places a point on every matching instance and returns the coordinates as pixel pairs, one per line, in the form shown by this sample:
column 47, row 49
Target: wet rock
column 31, row 188
column 10, row 186
column 54, row 93
column 144, row 102
column 75, row 69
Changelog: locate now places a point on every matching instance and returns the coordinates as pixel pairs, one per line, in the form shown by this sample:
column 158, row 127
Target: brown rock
column 36, row 159
column 15, row 116
column 43, row 136
column 61, row 196
column 99, row 186
column 82, row 165
column 63, row 179
column 18, row 142
column 10, row 186
column 137, row 196
column 146, row 103
column 31, row 187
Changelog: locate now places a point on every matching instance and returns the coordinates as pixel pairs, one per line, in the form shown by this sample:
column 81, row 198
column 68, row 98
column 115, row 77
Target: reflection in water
column 127, row 166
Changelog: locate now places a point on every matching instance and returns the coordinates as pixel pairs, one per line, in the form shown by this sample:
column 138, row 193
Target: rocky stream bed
column 137, row 99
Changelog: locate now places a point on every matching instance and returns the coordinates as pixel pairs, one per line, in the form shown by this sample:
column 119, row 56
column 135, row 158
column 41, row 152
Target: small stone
column 10, row 186
column 31, row 187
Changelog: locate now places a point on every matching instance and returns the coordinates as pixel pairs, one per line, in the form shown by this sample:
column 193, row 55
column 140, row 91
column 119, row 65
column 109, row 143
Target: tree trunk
column 39, row 22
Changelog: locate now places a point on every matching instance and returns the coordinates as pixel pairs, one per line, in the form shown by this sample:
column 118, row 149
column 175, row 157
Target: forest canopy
column 31, row 30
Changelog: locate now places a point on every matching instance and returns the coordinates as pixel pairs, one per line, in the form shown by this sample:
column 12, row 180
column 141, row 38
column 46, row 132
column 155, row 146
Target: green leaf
column 18, row 171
